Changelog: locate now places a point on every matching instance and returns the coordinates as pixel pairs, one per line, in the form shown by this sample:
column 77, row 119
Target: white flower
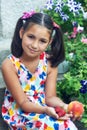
column 85, row 15
column 58, row 6
column 73, row 6
column 80, row 29
column 49, row 4
column 65, row 17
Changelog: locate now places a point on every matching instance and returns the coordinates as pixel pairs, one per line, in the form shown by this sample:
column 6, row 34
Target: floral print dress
column 33, row 86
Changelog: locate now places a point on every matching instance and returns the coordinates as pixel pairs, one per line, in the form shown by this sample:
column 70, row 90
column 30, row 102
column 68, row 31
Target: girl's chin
column 32, row 55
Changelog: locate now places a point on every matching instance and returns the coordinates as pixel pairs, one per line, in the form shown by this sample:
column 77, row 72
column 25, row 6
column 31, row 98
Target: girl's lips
column 33, row 51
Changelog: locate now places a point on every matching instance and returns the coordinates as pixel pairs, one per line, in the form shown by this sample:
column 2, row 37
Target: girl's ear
column 21, row 32
column 50, row 41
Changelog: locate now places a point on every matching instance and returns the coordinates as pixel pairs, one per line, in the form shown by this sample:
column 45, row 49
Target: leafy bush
column 64, row 12
column 69, row 88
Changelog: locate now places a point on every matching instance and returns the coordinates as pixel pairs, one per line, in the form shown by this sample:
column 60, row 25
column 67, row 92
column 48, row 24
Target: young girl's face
column 35, row 40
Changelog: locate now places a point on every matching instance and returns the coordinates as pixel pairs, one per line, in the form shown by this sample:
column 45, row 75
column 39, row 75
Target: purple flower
column 73, row 6
column 49, row 4
column 83, row 89
column 65, row 17
column 83, row 82
column 58, row 8
column 58, row 5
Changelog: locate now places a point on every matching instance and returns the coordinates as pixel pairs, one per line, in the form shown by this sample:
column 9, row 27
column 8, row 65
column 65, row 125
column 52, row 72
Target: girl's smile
column 32, row 50
column 35, row 40
column 31, row 74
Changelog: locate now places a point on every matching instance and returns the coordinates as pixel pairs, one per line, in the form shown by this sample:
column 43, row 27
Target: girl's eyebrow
column 46, row 40
column 40, row 38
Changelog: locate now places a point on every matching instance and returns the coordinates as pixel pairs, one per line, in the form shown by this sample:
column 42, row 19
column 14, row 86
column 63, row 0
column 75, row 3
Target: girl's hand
column 66, row 117
column 77, row 118
column 63, row 115
column 77, row 109
column 51, row 112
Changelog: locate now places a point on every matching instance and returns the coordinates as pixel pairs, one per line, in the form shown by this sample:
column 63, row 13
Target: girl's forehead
column 35, row 28
column 38, row 27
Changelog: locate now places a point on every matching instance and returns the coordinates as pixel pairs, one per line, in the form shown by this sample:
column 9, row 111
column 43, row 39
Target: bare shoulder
column 52, row 69
column 51, row 81
column 7, row 65
column 5, row 62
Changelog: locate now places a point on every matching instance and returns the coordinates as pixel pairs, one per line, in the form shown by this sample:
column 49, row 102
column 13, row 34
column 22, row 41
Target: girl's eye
column 43, row 41
column 31, row 36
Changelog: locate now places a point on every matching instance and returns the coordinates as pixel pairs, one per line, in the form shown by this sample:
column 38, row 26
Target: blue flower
column 65, row 17
column 73, row 6
column 83, row 82
column 83, row 89
column 58, row 6
column 49, row 4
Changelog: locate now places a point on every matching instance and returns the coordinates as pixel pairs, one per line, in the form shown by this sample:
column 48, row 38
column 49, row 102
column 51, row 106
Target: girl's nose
column 35, row 44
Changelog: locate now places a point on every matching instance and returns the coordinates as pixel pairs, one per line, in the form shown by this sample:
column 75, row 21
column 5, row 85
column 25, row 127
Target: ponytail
column 16, row 45
column 57, row 52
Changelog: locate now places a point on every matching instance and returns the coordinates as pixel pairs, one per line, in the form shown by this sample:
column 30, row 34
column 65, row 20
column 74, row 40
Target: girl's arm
column 51, row 97
column 13, row 85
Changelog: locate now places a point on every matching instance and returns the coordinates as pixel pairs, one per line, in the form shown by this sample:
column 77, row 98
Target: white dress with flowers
column 33, row 85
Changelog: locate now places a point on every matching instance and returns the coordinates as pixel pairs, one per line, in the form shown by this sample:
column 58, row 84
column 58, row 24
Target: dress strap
column 15, row 61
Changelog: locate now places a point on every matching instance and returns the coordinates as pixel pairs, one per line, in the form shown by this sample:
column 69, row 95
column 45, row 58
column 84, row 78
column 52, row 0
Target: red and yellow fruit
column 60, row 111
column 76, row 108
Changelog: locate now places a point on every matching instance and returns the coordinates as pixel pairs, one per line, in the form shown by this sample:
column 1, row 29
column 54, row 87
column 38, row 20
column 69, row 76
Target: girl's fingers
column 66, row 117
column 76, row 118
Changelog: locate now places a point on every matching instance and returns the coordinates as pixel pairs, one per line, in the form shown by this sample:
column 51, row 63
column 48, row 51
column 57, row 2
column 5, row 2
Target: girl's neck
column 29, row 59
column 30, row 63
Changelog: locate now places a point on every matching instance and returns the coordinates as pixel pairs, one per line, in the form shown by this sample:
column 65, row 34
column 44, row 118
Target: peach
column 76, row 108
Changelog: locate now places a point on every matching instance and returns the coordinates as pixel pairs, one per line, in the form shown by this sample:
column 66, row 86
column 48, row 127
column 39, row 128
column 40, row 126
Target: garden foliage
column 74, row 83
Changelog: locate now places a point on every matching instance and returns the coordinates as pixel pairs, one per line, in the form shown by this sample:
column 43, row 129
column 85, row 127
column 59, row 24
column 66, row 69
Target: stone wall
column 0, row 20
column 11, row 10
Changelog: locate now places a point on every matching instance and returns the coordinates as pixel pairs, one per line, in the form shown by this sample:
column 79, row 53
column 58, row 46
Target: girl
column 30, row 75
